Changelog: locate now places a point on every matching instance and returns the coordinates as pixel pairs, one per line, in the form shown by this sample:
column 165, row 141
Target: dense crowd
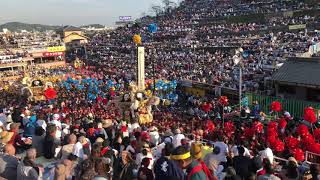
column 8, row 56
column 191, row 43
column 35, row 71
column 76, row 137
column 82, row 133
column 27, row 40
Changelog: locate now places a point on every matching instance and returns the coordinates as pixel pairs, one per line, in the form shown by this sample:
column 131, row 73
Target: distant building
column 96, row 29
column 74, row 36
column 298, row 78
column 5, row 30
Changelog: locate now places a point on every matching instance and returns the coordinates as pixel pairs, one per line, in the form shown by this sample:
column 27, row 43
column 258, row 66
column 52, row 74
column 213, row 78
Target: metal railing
column 312, row 158
column 295, row 107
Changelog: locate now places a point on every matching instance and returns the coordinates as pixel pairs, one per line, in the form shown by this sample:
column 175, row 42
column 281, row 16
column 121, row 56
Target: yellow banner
column 56, row 49
column 297, row 26
column 195, row 91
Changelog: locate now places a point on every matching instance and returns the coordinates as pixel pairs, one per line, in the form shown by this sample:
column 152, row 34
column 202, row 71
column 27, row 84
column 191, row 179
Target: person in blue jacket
column 31, row 126
column 166, row 169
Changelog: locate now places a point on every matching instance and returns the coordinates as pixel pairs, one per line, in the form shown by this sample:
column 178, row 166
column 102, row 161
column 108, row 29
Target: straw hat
column 6, row 136
column 106, row 123
column 99, row 140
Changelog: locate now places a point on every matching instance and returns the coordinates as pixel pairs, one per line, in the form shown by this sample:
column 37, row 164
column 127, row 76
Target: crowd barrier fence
column 312, row 158
column 295, row 107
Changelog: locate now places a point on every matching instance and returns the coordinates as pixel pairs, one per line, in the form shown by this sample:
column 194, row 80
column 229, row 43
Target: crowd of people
column 191, row 43
column 78, row 135
column 80, row 138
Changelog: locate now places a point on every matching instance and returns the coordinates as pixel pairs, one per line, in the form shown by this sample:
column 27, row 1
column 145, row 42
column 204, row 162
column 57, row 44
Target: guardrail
column 312, row 158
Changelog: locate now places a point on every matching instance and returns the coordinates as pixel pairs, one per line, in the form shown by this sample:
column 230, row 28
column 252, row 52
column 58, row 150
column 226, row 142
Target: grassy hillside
column 18, row 26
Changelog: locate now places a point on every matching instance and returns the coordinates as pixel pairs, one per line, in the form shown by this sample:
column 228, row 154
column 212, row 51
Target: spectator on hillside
column 315, row 171
column 269, row 175
column 9, row 163
column 182, row 157
column 243, row 164
column 78, row 149
column 291, row 170
column 266, row 152
column 178, row 136
column 38, row 140
column 66, row 150
column 144, row 172
column 16, row 139
column 231, row 174
column 213, row 160
column 50, row 143
column 165, row 168
column 125, row 168
column 27, row 169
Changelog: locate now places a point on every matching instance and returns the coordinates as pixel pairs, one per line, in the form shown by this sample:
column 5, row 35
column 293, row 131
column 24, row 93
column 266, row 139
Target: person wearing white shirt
column 235, row 152
column 56, row 122
column 154, row 136
column 78, row 148
column 177, row 138
column 267, row 153
column 3, row 118
column 144, row 154
column 133, row 126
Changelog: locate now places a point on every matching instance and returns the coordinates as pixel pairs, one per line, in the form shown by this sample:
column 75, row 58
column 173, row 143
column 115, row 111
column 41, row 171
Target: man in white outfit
column 177, row 138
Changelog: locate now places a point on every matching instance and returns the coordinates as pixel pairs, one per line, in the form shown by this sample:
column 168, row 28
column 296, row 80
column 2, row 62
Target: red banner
column 51, row 54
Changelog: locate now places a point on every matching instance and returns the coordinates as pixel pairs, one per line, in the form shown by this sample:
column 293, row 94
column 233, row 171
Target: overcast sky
column 74, row 12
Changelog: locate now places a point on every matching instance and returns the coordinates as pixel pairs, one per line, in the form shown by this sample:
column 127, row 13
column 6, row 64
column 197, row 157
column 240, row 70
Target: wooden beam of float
column 141, row 74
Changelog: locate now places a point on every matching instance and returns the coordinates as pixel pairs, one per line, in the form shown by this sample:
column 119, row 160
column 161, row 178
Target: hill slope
column 18, row 26
column 93, row 25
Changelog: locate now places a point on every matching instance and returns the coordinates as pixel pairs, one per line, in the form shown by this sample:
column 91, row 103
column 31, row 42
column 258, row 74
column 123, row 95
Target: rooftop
column 299, row 71
column 71, row 28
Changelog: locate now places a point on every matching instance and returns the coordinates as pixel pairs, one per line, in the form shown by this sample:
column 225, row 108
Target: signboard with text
column 56, row 49
column 51, row 54
column 124, row 18
column 297, row 26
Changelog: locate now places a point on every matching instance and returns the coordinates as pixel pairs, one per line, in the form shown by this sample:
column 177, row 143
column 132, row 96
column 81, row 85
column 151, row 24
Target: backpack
column 204, row 168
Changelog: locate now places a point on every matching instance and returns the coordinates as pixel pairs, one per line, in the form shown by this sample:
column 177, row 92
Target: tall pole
column 240, row 83
column 141, row 75
column 154, row 70
column 85, row 51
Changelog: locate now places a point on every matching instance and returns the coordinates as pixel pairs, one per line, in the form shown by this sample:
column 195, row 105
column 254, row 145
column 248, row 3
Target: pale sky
column 73, row 12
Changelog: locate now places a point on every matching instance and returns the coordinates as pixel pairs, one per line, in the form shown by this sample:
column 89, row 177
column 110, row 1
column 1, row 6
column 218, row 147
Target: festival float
column 34, row 88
